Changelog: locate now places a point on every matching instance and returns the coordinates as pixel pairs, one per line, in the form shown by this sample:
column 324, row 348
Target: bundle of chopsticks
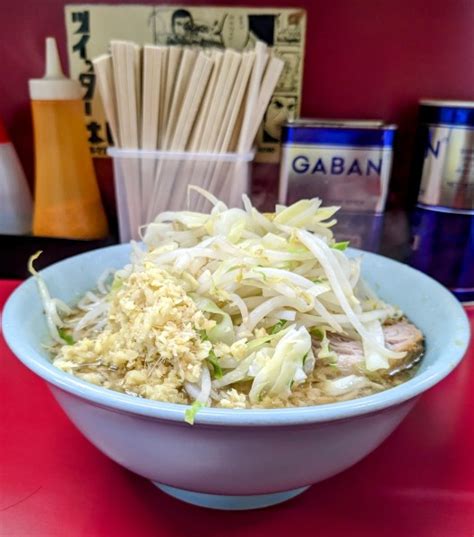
column 192, row 105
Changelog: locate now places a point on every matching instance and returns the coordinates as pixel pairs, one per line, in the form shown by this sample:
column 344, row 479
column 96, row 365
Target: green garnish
column 340, row 245
column 214, row 363
column 66, row 336
column 203, row 335
column 278, row 326
column 191, row 412
column 316, row 332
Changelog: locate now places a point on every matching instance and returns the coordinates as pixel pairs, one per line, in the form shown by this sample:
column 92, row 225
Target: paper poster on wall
column 91, row 27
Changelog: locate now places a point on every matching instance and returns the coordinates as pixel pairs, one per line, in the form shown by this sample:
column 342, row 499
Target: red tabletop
column 419, row 483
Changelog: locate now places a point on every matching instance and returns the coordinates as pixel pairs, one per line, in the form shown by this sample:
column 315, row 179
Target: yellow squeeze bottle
column 67, row 198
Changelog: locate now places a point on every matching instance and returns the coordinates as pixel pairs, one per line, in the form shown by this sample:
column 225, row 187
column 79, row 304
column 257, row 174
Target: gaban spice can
column 445, row 154
column 345, row 163
column 443, row 222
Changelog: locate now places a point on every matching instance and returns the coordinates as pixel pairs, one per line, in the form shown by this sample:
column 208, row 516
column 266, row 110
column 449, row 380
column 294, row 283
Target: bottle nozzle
column 53, row 63
column 55, row 85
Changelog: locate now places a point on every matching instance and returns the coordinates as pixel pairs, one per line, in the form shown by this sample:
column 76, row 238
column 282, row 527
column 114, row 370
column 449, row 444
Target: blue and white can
column 443, row 221
column 345, row 163
column 445, row 154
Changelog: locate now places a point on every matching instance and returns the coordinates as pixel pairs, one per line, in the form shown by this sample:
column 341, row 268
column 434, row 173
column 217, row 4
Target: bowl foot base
column 230, row 503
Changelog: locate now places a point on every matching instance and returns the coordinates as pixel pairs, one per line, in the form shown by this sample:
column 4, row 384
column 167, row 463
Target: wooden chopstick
column 192, row 101
column 198, row 129
column 235, row 102
column 252, row 95
column 172, row 67
column 105, row 78
column 269, row 82
column 182, row 81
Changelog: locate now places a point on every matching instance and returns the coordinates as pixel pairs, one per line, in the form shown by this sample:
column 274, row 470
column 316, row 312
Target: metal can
column 443, row 247
column 445, row 154
column 443, row 221
column 345, row 163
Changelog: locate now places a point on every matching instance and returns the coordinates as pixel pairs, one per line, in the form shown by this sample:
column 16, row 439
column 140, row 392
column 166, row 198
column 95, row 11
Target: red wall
column 364, row 59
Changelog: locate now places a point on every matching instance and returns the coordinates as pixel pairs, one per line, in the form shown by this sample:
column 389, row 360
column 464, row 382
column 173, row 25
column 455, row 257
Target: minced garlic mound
column 151, row 344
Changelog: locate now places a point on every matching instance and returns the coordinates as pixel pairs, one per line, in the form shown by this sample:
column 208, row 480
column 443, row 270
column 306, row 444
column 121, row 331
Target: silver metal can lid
column 340, row 123
column 441, row 102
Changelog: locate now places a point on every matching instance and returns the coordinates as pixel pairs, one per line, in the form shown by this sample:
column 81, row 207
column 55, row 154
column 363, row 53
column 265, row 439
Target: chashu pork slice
column 401, row 336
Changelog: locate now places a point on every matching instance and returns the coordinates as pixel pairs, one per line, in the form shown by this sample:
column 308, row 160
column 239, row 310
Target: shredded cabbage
column 344, row 385
column 50, row 305
column 190, row 413
column 284, row 367
column 224, row 329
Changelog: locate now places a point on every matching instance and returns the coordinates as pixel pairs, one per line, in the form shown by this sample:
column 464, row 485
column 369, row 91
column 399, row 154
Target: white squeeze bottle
column 15, row 197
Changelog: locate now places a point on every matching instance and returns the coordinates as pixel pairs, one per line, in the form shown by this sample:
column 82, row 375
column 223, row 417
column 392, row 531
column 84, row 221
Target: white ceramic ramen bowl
column 237, row 459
